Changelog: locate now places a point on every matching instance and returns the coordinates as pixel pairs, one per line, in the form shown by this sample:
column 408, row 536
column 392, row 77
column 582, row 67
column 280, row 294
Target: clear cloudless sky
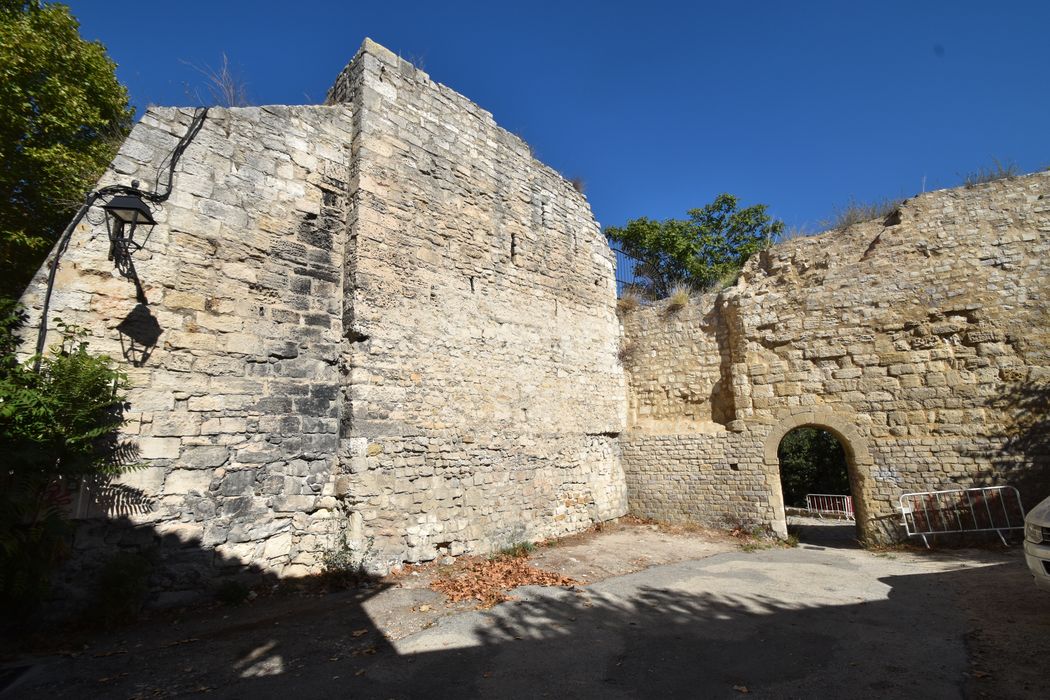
column 658, row 106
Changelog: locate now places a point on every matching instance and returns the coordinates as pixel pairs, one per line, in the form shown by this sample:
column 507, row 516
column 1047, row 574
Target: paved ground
column 825, row 619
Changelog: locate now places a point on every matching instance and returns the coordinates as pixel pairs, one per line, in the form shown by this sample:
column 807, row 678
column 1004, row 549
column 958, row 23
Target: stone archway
column 858, row 461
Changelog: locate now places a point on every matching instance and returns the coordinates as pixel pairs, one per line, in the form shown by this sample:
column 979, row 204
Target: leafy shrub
column 715, row 240
column 58, row 426
column 725, row 281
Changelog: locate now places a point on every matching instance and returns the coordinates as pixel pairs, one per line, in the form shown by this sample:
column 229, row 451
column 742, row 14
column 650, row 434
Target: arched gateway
column 858, row 461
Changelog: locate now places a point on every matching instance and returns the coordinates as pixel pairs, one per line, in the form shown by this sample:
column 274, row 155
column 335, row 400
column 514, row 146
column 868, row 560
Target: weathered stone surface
column 382, row 311
column 384, row 318
column 203, row 456
column 482, row 356
column 925, row 360
column 181, row 481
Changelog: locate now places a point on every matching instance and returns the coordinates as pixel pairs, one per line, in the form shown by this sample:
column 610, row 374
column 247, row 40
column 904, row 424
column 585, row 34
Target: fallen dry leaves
column 488, row 580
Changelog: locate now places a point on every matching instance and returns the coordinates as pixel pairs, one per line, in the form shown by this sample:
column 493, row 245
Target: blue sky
column 658, row 106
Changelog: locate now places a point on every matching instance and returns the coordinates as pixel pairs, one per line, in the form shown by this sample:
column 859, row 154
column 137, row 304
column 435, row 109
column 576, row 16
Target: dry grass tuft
column 627, row 353
column 678, row 299
column 628, row 302
column 227, row 88
column 858, row 212
column 997, row 171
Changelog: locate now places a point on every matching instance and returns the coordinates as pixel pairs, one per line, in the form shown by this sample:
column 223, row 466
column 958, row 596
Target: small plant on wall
column 678, row 299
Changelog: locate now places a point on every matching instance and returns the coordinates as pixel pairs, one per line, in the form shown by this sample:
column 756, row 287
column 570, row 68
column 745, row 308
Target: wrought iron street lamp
column 124, row 214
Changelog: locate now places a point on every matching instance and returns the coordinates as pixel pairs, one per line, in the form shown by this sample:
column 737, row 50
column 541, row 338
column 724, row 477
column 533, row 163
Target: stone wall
column 382, row 324
column 379, row 318
column 233, row 360
column 483, row 393
column 920, row 341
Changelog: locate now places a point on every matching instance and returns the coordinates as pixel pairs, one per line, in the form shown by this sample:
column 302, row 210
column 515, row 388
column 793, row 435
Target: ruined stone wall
column 682, row 462
column 920, row 341
column 380, row 318
column 483, row 392
column 680, row 378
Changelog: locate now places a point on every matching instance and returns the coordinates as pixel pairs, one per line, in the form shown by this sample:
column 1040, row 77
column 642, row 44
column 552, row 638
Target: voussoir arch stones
column 841, row 424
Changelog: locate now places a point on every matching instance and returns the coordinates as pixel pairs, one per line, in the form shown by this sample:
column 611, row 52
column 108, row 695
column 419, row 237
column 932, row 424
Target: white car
column 1037, row 543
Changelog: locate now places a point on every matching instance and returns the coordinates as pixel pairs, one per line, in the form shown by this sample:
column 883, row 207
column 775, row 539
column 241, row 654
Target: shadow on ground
column 814, row 532
column 652, row 640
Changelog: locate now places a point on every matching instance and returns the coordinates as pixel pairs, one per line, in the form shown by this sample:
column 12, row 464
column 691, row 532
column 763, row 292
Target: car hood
column 1040, row 515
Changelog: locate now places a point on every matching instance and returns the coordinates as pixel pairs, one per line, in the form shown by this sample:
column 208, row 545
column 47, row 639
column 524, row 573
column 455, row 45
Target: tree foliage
column 62, row 115
column 811, row 461
column 699, row 252
column 58, row 427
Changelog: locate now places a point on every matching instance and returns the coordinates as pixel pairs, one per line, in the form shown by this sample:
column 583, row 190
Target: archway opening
column 816, row 487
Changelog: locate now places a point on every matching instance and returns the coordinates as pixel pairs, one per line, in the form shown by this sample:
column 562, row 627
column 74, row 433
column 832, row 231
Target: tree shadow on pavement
column 646, row 641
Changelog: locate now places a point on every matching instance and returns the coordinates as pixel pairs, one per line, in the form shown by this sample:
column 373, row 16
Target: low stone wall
column 698, row 478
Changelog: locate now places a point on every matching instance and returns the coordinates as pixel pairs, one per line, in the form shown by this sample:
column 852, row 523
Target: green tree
column 58, row 427
column 62, row 115
column 707, row 248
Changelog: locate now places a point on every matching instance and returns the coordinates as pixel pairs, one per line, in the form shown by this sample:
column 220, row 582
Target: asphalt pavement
column 827, row 621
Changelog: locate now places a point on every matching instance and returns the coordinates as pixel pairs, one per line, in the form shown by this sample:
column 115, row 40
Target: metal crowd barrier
column 830, row 504
column 987, row 509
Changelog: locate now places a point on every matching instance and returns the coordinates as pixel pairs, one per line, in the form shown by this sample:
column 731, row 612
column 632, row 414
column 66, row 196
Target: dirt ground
column 374, row 638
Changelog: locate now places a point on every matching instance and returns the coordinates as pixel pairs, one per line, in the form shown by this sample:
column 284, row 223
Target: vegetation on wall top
column 699, row 252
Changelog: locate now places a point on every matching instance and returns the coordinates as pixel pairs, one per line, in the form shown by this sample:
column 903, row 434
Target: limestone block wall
column 233, row 351
column 484, row 393
column 920, row 341
column 379, row 318
column 680, row 369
